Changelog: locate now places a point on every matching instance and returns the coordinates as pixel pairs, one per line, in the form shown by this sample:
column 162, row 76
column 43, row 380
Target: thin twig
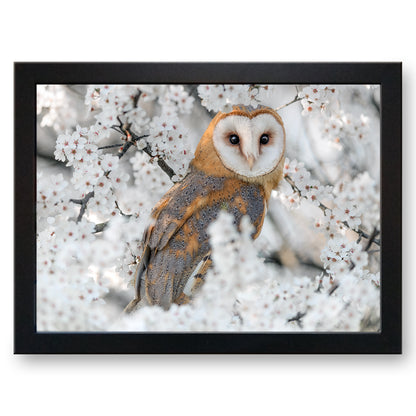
column 333, row 288
column 371, row 239
column 295, row 100
column 297, row 318
column 83, row 202
column 313, row 265
column 124, row 149
column 375, row 104
column 121, row 212
column 111, row 146
column 100, row 227
column 136, row 98
column 320, row 285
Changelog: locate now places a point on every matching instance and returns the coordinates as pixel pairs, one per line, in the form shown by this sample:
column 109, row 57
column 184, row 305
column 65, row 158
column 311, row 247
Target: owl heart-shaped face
column 249, row 146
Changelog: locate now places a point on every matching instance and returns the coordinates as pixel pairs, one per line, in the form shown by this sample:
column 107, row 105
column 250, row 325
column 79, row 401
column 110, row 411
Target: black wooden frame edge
column 28, row 75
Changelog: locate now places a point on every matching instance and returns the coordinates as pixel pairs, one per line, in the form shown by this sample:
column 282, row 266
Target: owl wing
column 177, row 242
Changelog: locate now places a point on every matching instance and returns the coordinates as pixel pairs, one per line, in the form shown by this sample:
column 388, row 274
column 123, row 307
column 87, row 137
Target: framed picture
column 208, row 208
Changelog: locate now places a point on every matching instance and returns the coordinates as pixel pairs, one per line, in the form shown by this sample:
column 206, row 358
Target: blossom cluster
column 165, row 134
column 89, row 226
column 108, row 102
column 344, row 213
column 242, row 293
column 68, row 292
column 222, row 97
column 344, row 260
column 316, row 98
column 365, row 192
column 150, row 179
column 340, row 127
column 168, row 140
column 49, row 203
column 56, row 107
column 176, row 100
column 76, row 265
column 93, row 171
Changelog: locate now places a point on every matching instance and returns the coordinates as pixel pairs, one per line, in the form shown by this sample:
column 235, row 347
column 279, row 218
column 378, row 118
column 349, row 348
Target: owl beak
column 250, row 152
column 251, row 159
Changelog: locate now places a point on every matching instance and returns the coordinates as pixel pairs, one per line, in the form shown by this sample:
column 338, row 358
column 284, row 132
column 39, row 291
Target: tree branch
column 120, row 211
column 83, row 202
column 131, row 139
column 111, row 146
column 136, row 98
column 375, row 104
column 374, row 234
column 297, row 318
column 124, row 149
column 333, row 288
column 161, row 163
column 100, row 227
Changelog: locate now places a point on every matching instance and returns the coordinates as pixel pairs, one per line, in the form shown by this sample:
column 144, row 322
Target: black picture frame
column 28, row 341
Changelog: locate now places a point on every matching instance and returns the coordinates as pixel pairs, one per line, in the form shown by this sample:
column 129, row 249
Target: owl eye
column 264, row 139
column 234, row 139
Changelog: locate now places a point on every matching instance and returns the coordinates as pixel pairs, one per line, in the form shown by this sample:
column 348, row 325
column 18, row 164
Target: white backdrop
column 217, row 31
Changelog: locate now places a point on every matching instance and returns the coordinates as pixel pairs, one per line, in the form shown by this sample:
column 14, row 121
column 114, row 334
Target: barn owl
column 237, row 163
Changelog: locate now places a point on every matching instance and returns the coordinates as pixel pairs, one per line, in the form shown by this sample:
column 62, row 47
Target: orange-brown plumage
column 176, row 243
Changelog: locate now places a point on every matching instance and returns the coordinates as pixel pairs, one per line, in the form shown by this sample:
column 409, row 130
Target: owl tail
column 141, row 267
column 132, row 306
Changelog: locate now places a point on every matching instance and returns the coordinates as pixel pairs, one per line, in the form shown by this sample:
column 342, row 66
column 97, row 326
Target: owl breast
column 178, row 241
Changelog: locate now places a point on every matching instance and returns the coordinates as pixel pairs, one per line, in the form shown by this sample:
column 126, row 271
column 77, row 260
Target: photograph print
column 208, row 208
